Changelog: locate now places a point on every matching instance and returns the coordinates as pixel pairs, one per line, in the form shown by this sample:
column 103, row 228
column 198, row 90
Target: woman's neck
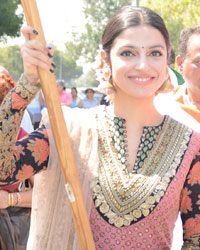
column 90, row 99
column 138, row 111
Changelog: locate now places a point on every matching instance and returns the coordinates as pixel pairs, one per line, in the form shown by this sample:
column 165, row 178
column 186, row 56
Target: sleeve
column 31, row 155
column 11, row 113
column 190, row 207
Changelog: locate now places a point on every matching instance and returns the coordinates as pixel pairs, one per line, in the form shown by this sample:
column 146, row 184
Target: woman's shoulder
column 192, row 129
column 76, row 116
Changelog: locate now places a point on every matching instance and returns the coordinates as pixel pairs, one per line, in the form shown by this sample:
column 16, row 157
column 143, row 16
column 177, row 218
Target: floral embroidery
column 19, row 150
column 186, row 203
column 25, row 173
column 192, row 226
column 190, row 212
column 194, row 176
column 16, row 161
column 18, row 102
column 198, row 201
column 39, row 149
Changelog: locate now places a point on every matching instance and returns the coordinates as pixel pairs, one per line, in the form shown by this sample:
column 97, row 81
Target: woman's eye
column 197, row 63
column 127, row 53
column 156, row 53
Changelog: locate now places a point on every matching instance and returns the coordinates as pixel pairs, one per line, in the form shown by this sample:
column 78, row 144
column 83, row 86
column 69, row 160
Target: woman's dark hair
column 89, row 89
column 74, row 88
column 171, row 57
column 129, row 16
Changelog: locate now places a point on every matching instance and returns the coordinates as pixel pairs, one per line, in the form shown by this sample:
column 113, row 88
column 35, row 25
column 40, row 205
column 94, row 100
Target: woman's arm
column 29, row 156
column 11, row 113
column 190, row 207
column 13, row 166
column 24, row 198
column 17, row 199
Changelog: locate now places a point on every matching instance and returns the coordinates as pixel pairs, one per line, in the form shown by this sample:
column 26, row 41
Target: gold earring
column 166, row 87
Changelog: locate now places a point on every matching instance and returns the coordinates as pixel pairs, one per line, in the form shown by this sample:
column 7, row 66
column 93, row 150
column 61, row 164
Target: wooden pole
column 61, row 137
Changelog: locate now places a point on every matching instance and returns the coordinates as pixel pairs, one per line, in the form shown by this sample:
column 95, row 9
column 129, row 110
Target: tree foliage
column 87, row 79
column 177, row 14
column 11, row 59
column 10, row 22
column 97, row 14
column 67, row 68
column 83, row 46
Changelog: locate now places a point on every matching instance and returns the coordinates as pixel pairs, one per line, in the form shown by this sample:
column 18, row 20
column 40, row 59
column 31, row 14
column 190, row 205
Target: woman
column 89, row 101
column 65, row 98
column 137, row 167
column 75, row 99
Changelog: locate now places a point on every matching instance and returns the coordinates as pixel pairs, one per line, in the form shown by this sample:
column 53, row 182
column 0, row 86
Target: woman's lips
column 142, row 80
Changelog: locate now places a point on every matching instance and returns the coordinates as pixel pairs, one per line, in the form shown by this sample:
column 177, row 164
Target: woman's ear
column 179, row 61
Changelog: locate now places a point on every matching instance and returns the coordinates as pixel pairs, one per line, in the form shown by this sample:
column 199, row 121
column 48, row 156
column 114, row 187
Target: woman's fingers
column 50, row 48
column 27, row 31
column 36, row 49
column 35, row 55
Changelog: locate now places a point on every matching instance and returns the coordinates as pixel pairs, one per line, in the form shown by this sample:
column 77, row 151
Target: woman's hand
column 34, row 55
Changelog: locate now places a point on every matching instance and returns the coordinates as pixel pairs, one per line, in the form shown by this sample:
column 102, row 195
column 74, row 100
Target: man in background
column 188, row 62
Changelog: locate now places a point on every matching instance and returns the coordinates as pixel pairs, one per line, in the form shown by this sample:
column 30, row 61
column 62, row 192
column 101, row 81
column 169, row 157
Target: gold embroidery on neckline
column 126, row 197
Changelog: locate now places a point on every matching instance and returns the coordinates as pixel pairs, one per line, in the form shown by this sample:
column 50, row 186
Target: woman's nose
column 142, row 63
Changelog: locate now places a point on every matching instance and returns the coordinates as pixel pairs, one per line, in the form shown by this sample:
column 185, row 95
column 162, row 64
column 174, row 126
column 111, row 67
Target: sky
column 58, row 18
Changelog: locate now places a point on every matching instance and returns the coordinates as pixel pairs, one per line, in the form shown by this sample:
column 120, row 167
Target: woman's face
column 60, row 88
column 74, row 93
column 139, row 61
column 89, row 94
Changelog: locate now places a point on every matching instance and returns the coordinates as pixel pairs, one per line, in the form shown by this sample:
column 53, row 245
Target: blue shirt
column 87, row 104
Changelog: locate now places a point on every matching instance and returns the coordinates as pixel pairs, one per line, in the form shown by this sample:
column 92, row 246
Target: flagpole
column 62, row 140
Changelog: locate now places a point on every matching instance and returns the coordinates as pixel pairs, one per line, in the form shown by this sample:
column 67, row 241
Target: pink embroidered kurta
column 127, row 210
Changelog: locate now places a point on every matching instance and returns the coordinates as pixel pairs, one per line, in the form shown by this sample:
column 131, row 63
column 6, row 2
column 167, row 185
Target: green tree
column 11, row 59
column 83, row 46
column 85, row 80
column 10, row 22
column 67, row 66
column 177, row 14
column 97, row 14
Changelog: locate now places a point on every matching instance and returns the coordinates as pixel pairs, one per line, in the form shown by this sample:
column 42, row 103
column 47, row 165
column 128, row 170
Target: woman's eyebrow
column 151, row 47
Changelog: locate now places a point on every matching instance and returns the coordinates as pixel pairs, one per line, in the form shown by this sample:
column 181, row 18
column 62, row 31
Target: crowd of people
column 70, row 99
column 139, row 166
